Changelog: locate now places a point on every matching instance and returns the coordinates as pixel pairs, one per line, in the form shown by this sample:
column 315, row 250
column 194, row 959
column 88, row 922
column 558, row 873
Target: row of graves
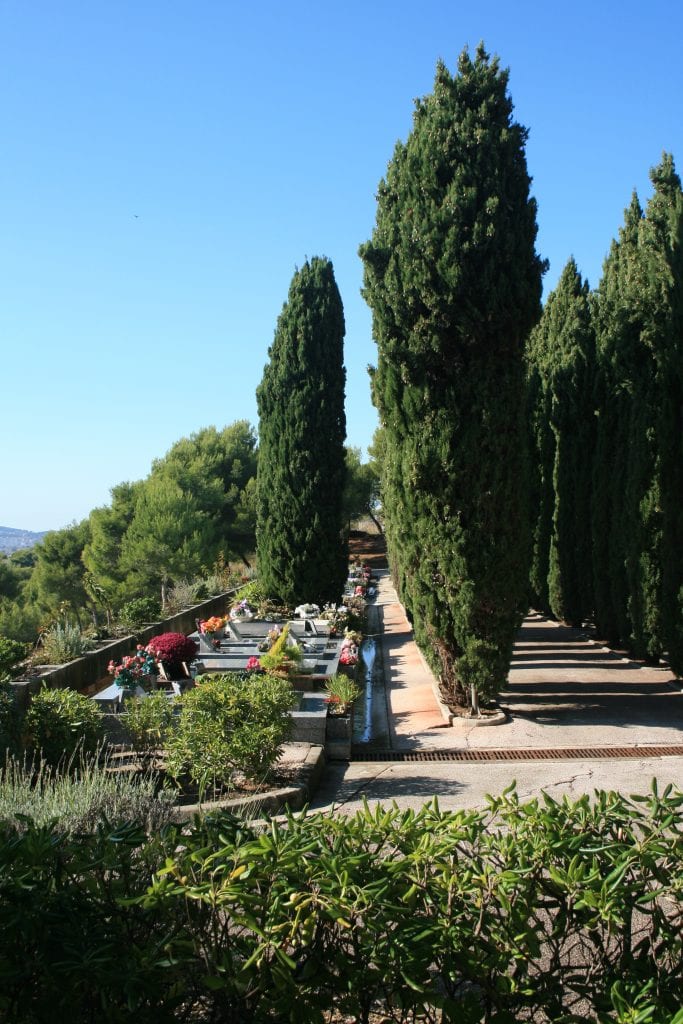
column 309, row 648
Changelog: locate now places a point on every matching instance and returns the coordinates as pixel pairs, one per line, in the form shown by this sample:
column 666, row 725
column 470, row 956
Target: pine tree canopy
column 302, row 550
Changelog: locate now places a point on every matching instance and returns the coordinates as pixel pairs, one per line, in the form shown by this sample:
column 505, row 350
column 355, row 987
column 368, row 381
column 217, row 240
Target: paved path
column 564, row 691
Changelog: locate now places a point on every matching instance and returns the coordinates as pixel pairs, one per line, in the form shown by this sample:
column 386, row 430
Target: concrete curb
column 273, row 801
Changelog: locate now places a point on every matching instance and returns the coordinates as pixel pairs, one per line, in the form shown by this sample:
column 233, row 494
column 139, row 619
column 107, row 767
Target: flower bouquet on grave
column 349, row 652
column 242, row 611
column 307, row 611
column 139, row 669
column 269, row 639
column 254, row 665
column 213, row 628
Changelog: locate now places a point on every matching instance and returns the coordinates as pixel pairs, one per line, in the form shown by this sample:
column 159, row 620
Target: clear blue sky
column 166, row 165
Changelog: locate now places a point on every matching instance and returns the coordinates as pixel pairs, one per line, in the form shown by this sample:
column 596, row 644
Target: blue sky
column 165, row 167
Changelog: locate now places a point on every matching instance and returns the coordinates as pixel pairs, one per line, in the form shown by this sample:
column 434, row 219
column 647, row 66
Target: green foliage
column 61, row 722
column 284, row 655
column 561, row 361
column 342, row 692
column 72, row 948
column 139, row 612
column 637, row 514
column 11, row 651
column 454, row 284
column 62, row 642
column 79, row 795
column 361, row 491
column 149, row 721
column 301, row 551
column 230, row 726
column 10, row 722
column 538, row 911
column 58, row 575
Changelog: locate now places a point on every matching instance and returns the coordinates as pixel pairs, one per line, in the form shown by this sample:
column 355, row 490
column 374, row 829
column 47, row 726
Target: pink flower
column 253, row 664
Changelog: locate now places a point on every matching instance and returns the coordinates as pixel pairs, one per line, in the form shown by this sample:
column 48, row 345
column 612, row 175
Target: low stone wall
column 86, row 672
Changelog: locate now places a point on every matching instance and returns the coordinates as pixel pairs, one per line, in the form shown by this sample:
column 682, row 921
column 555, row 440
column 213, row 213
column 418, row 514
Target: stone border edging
column 273, row 801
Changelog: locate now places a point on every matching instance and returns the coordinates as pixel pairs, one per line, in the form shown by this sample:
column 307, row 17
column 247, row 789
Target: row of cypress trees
column 510, row 439
column 606, row 400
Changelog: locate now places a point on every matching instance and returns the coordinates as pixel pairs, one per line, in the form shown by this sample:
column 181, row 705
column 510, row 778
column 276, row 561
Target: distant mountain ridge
column 14, row 540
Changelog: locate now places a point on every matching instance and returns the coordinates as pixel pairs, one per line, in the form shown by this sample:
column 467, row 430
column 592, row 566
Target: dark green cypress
column 561, row 358
column 616, row 341
column 301, row 547
column 654, row 479
column 454, row 283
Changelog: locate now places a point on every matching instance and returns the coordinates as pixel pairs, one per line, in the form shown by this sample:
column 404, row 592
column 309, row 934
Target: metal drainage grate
column 360, row 752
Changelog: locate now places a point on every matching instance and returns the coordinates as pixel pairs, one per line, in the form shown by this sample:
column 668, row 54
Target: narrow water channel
column 367, row 653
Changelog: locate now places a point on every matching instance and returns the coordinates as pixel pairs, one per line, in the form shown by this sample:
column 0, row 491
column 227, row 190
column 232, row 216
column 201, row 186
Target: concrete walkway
column 564, row 691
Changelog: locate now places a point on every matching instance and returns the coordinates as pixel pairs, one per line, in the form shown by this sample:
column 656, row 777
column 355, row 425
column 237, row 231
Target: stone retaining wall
column 85, row 673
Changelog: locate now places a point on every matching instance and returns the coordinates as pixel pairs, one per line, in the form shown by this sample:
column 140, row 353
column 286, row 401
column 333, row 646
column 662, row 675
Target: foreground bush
column 230, row 726
column 60, row 722
column 538, row 912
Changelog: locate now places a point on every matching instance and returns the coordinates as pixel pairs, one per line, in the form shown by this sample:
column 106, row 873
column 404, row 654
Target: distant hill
column 14, row 540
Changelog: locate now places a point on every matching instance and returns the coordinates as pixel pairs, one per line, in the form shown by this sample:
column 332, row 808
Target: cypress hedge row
column 605, row 396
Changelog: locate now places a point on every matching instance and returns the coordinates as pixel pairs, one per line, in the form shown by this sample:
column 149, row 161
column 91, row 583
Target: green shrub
column 63, row 642
column 60, row 722
column 538, row 912
column 229, row 726
column 10, row 722
column 183, row 594
column 78, row 797
column 71, row 947
column 11, row 651
column 148, row 721
column 139, row 612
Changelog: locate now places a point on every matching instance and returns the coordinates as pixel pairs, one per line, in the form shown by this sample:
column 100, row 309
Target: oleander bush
column 544, row 911
column 60, row 722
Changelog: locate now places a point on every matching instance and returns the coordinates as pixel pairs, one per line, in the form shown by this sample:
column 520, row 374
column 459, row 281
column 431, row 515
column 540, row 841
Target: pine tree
column 301, row 547
column 454, row 284
column 561, row 358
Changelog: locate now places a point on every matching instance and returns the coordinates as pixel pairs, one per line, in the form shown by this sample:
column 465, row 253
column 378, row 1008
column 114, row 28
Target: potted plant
column 341, row 693
column 174, row 650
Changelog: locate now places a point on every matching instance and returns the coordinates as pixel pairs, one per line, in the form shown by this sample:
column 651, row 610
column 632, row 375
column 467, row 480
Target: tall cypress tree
column 454, row 283
column 617, row 333
column 561, row 358
column 301, row 548
column 655, row 477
